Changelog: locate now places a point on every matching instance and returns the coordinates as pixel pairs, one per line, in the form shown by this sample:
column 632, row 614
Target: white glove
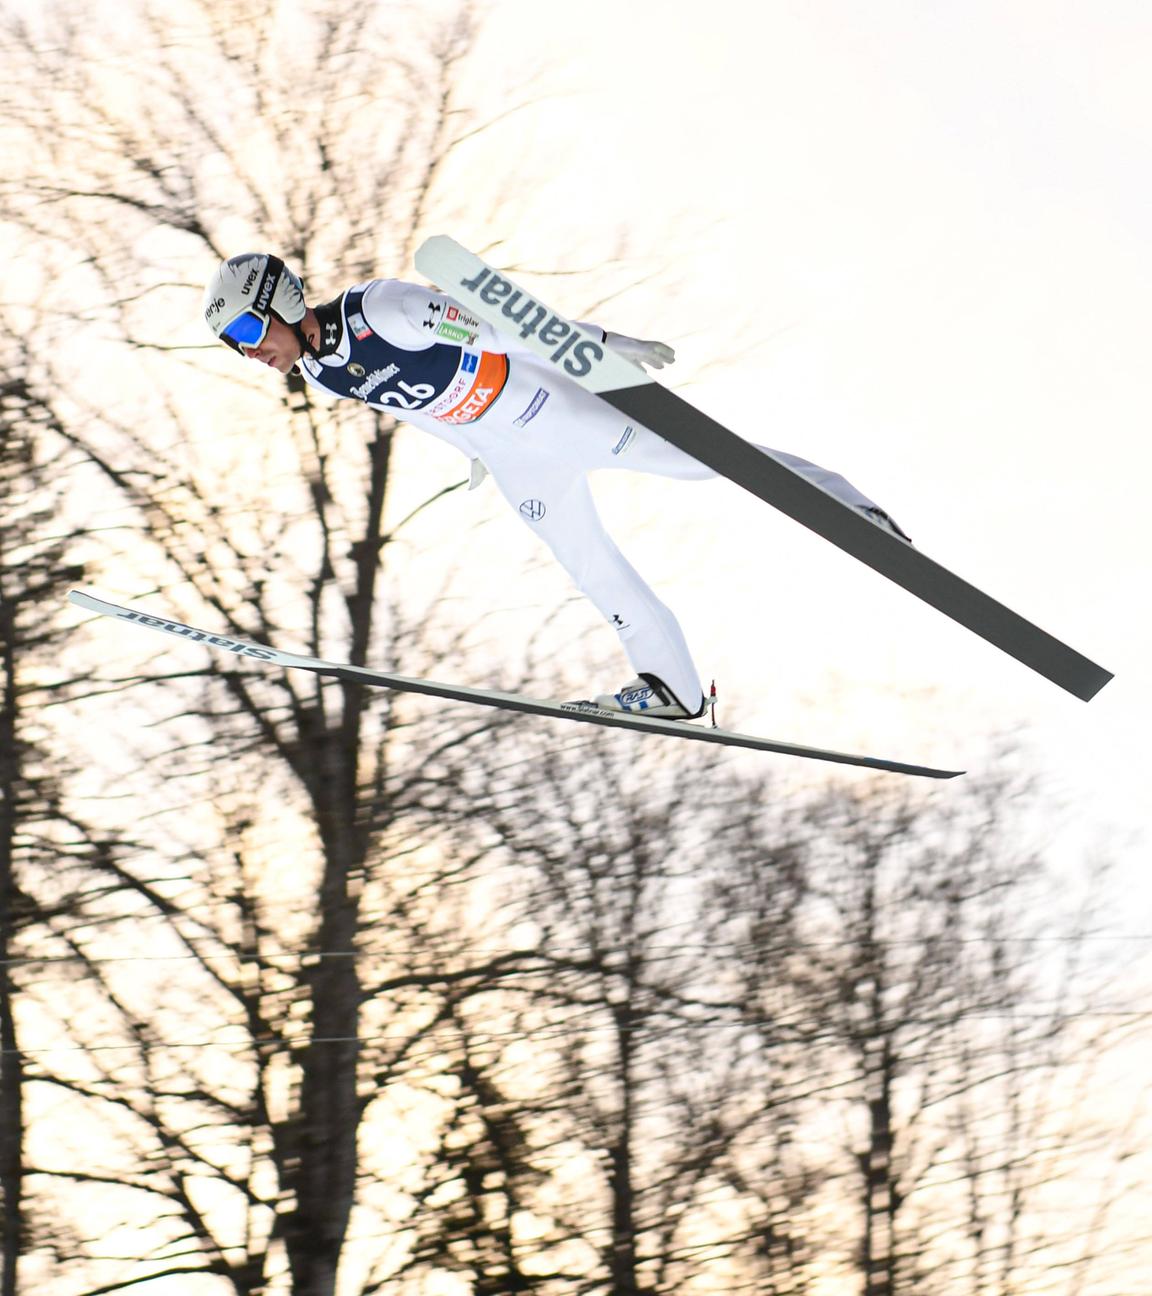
column 476, row 474
column 653, row 354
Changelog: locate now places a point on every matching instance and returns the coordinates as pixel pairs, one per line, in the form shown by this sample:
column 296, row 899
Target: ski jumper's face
column 280, row 348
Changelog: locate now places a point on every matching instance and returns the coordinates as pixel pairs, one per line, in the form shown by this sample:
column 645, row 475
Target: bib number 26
column 408, row 395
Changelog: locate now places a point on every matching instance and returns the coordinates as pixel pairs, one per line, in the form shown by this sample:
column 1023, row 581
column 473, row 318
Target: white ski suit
column 422, row 357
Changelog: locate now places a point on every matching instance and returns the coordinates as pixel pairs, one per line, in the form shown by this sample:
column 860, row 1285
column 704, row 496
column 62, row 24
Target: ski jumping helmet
column 245, row 292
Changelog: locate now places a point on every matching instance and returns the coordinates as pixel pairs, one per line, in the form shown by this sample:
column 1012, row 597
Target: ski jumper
column 421, row 357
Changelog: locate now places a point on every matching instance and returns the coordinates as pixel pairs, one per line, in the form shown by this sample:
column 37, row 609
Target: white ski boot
column 649, row 695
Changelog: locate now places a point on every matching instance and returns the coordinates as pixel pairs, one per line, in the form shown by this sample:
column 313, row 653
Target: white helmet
column 245, row 292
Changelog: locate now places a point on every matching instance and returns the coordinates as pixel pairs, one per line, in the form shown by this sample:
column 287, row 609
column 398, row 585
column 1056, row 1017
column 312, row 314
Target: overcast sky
column 906, row 240
column 909, row 241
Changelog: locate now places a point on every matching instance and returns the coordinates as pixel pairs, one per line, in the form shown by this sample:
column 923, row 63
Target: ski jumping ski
column 581, row 356
column 587, row 713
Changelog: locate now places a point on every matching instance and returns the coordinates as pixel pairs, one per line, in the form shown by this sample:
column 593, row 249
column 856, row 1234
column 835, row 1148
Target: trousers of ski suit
column 539, row 441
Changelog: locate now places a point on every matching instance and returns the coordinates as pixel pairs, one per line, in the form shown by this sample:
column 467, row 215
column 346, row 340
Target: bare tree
column 29, row 572
column 735, row 973
column 280, row 864
column 931, row 1029
column 53, row 863
column 611, row 1116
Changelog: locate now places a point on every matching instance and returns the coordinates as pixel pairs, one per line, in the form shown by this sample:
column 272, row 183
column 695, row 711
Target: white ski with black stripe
column 589, row 713
column 581, row 356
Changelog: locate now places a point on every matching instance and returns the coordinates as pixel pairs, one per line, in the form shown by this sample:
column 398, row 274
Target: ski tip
column 435, row 250
column 917, row 771
column 1094, row 681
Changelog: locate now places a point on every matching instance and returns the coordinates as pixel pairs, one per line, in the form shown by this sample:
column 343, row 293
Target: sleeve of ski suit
column 414, row 317
column 406, row 314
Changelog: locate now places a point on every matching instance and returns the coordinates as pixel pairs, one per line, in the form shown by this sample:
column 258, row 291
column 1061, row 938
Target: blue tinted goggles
column 247, row 329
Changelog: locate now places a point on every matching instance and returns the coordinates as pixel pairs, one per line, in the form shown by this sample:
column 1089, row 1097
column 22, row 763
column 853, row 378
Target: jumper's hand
column 653, row 355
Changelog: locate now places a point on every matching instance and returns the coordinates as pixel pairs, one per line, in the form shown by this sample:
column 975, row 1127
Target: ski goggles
column 247, row 329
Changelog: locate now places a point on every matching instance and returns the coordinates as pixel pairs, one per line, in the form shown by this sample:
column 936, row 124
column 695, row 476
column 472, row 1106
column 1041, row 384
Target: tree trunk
column 11, row 1066
column 880, row 1195
column 320, row 1170
column 625, row 1280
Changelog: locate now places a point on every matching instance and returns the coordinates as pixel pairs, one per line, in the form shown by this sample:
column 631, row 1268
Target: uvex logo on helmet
column 267, row 288
column 247, row 286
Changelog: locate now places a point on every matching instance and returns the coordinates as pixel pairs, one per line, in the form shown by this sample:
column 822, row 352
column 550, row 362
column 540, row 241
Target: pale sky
column 909, row 241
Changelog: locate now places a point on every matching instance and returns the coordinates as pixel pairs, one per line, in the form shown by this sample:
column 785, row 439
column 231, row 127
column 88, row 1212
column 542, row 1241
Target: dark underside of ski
column 584, row 713
column 580, row 357
column 713, row 444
